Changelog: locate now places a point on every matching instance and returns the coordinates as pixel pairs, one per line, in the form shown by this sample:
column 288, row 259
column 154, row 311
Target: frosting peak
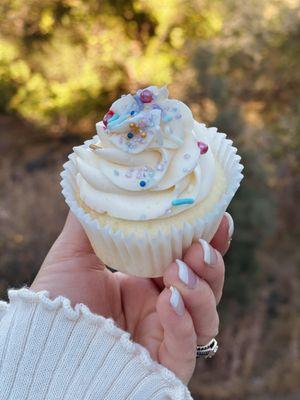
column 150, row 159
column 147, row 119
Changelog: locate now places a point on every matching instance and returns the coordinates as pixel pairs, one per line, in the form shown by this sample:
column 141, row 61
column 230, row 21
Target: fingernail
column 230, row 224
column 209, row 254
column 186, row 275
column 176, row 301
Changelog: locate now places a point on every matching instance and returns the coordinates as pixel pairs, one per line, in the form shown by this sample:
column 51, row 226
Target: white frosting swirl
column 149, row 165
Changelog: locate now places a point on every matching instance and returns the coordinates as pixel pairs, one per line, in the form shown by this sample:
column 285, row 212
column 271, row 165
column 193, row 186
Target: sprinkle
column 114, row 117
column 178, row 116
column 130, row 135
column 94, row 146
column 179, row 202
column 203, row 147
column 186, row 156
column 156, row 107
column 128, row 175
column 185, row 170
column 134, row 127
column 167, row 118
column 146, row 96
column 144, row 134
column 118, row 120
column 132, row 112
column 142, row 183
column 107, row 117
column 159, row 167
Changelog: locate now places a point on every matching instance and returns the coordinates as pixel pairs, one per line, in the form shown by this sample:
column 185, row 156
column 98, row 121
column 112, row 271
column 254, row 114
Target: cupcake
column 150, row 182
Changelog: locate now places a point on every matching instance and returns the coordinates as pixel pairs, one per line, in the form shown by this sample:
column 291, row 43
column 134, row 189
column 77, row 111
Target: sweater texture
column 52, row 351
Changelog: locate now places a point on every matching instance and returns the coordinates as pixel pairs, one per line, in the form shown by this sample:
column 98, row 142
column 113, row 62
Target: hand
column 168, row 322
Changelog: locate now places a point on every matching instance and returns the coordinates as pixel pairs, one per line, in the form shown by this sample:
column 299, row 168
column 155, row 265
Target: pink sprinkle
column 107, row 116
column 146, row 96
column 203, row 147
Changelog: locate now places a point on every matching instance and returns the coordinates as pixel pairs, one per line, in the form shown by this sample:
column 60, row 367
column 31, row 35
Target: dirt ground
column 30, row 164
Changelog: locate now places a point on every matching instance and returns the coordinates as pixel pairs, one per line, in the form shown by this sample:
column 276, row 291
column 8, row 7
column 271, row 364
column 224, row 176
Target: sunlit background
column 236, row 63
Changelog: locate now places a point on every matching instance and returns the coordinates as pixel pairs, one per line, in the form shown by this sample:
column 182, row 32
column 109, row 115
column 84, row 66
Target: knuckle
column 209, row 328
column 216, row 332
column 186, row 331
column 204, row 296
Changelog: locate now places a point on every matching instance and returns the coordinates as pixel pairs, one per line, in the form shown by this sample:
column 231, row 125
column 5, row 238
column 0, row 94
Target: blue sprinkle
column 142, row 183
column 130, row 135
column 180, row 202
column 113, row 118
column 113, row 121
column 132, row 112
column 119, row 120
column 167, row 118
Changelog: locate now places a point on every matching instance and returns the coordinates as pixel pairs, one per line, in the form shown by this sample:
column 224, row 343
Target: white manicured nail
column 230, row 224
column 186, row 275
column 209, row 254
column 176, row 301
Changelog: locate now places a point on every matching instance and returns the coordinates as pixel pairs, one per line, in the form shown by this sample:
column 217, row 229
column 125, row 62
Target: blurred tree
column 63, row 61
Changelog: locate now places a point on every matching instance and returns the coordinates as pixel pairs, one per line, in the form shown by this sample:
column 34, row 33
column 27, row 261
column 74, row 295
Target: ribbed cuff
column 51, row 351
column 3, row 308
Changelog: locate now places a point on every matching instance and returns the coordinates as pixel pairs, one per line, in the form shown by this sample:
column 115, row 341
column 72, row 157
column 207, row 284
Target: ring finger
column 198, row 298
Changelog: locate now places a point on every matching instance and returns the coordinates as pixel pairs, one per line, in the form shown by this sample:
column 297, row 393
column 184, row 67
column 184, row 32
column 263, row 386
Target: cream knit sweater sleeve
column 51, row 351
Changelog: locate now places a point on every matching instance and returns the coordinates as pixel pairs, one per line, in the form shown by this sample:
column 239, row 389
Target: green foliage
column 62, row 61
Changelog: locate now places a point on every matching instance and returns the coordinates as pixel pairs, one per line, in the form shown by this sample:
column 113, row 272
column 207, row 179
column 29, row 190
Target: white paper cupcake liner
column 147, row 255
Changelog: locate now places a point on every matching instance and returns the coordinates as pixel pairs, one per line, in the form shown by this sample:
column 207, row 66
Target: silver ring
column 207, row 351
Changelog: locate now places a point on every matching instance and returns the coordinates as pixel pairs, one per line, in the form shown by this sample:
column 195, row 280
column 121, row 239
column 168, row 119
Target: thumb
column 178, row 349
column 73, row 233
column 71, row 242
